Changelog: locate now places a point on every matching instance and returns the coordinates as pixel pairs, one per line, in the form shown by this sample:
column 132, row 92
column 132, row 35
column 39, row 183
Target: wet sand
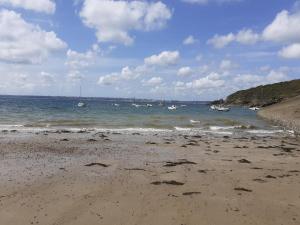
column 286, row 113
column 106, row 178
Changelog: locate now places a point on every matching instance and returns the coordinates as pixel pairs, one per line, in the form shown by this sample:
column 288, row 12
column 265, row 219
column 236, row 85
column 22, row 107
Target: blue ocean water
column 62, row 112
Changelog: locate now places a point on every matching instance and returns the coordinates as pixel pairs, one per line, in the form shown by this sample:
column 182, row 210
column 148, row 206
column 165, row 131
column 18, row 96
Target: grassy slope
column 266, row 95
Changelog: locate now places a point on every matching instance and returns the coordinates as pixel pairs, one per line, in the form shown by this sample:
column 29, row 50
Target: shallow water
column 61, row 112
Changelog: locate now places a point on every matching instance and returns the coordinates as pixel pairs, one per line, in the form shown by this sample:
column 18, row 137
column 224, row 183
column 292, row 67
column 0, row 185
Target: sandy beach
column 141, row 178
column 286, row 113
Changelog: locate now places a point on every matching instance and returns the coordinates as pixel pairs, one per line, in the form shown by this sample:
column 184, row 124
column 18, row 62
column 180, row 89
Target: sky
column 167, row 49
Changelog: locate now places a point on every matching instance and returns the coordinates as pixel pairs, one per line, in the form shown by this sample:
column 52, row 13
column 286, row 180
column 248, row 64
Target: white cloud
column 291, row 52
column 126, row 74
column 165, row 58
column 227, row 65
column 154, row 81
column 47, row 79
column 185, row 71
column 113, row 20
column 77, row 60
column 211, row 81
column 75, row 76
column 45, row 6
column 252, row 80
column 189, row 40
column 284, row 28
column 22, row 42
column 221, row 41
column 245, row 36
column 204, row 2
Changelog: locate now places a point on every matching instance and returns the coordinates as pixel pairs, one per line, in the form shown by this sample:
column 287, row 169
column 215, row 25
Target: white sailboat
column 81, row 103
column 172, row 107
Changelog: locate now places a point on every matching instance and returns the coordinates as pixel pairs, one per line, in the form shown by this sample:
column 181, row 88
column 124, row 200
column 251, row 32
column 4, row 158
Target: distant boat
column 213, row 107
column 149, row 105
column 136, row 105
column 116, row 105
column 219, row 108
column 222, row 109
column 172, row 107
column 81, row 103
column 254, row 108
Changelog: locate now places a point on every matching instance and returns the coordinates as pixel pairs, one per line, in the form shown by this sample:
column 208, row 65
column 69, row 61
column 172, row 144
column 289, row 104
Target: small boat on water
column 222, row 109
column 213, row 107
column 116, row 105
column 255, row 108
column 172, row 107
column 149, row 105
column 136, row 105
column 81, row 104
column 219, row 108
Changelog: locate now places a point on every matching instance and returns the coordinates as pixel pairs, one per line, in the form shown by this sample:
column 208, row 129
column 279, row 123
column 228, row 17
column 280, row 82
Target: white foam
column 265, row 131
column 134, row 129
column 215, row 128
column 195, row 121
column 182, row 129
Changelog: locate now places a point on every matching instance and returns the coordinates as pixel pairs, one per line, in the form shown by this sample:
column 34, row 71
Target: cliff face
column 265, row 95
column 286, row 113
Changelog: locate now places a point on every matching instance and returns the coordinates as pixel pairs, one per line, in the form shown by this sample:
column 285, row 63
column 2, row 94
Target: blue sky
column 172, row 49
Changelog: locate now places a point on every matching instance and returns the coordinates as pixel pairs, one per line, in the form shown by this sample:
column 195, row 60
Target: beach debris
column 171, row 195
column 180, row 162
column 136, row 134
column 294, row 171
column 192, row 143
column 202, row 171
column 244, row 161
column 64, row 139
column 91, row 140
column 287, row 149
column 169, row 182
column 136, row 169
column 151, row 143
column 97, row 164
column 270, row 176
column 242, row 189
column 191, row 193
column 196, row 136
column 256, row 168
column 259, row 180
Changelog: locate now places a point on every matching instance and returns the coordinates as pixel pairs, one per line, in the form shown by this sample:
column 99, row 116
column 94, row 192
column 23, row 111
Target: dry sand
column 144, row 179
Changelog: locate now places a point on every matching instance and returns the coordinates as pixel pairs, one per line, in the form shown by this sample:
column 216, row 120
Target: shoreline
column 148, row 178
column 286, row 114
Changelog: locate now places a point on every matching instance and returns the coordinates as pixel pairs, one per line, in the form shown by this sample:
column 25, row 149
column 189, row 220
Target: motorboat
column 222, row 109
column 172, row 107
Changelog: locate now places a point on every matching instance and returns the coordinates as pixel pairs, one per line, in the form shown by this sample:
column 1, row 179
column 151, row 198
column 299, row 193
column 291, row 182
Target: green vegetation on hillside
column 266, row 94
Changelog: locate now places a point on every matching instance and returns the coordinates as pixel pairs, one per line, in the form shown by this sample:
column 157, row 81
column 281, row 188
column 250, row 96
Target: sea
column 46, row 113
